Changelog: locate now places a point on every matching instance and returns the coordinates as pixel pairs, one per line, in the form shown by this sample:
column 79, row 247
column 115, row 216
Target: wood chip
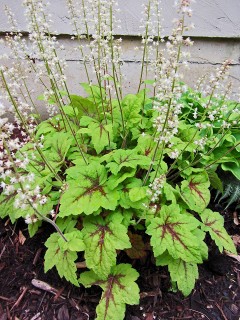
column 43, row 286
column 37, row 255
column 4, row 298
column 236, row 240
column 235, row 218
column 36, row 317
column 63, row 313
column 149, row 294
column 21, row 237
column 234, row 256
column 81, row 265
column 17, row 303
column 46, row 287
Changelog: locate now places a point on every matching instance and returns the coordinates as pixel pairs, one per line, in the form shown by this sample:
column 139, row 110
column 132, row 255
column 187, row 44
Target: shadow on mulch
column 216, row 295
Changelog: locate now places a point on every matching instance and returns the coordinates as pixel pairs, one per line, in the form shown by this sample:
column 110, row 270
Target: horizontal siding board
column 212, row 18
column 206, row 56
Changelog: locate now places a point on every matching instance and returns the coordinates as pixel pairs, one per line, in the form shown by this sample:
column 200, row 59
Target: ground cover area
column 216, row 295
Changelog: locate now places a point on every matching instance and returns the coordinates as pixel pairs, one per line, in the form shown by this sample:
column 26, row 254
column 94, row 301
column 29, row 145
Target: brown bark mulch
column 216, row 295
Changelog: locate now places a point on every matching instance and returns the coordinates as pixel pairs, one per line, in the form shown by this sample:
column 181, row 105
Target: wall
column 216, row 36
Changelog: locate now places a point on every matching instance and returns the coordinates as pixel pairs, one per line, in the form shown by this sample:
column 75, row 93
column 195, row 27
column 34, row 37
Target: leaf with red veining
column 101, row 134
column 87, row 191
column 122, row 159
column 102, row 238
column 173, row 231
column 138, row 250
column 63, row 254
column 182, row 272
column 119, row 289
column 214, row 224
column 195, row 191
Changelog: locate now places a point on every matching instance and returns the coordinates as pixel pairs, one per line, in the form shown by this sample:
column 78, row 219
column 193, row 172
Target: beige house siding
column 216, row 36
column 212, row 18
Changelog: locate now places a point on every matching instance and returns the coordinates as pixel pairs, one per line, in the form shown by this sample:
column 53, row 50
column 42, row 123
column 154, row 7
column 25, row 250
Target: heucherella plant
column 110, row 172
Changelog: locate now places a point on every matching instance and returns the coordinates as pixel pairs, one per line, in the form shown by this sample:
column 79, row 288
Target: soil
column 216, row 295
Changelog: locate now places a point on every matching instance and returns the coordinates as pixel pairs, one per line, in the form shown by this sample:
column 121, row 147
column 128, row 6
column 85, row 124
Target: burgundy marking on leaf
column 108, row 295
column 174, row 227
column 102, row 230
column 170, row 229
column 125, row 159
column 7, row 198
column 219, row 234
column 93, row 188
column 119, row 289
column 148, row 151
column 193, row 187
column 209, row 224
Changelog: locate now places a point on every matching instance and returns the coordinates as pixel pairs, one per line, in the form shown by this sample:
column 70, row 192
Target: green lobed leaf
column 131, row 106
column 171, row 194
column 60, row 255
column 146, row 145
column 102, row 238
column 70, row 111
column 46, row 127
column 203, row 248
column 66, row 224
column 96, row 94
column 33, row 227
column 7, row 206
column 115, row 180
column 232, row 167
column 195, row 191
column 136, row 200
column 215, row 181
column 87, row 191
column 74, row 241
column 214, row 224
column 185, row 274
column 126, row 159
column 138, row 193
column 119, row 289
column 182, row 272
column 83, row 105
column 171, row 231
column 101, row 135
column 57, row 147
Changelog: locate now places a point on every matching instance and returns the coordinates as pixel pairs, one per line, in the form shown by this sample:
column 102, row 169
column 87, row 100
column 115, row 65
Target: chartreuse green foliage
column 98, row 177
column 119, row 289
column 88, row 191
column 102, row 239
column 172, row 230
column 63, row 254
column 195, row 191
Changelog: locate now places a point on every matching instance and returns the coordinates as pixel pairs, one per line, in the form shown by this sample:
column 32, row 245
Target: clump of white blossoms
column 155, row 188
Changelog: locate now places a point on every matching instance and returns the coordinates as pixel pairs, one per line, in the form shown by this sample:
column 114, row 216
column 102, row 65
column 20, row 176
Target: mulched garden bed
column 216, row 295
